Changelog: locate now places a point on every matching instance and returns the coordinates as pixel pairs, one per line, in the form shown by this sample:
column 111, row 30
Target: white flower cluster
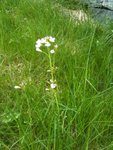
column 47, row 42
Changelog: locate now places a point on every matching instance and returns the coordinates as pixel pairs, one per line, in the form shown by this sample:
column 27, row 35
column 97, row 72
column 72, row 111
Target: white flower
column 38, row 45
column 43, row 40
column 47, row 37
column 52, row 51
column 51, row 80
column 17, row 87
column 53, row 85
column 51, row 39
column 38, row 49
column 47, row 89
column 47, row 44
column 48, row 70
column 56, row 46
column 39, row 41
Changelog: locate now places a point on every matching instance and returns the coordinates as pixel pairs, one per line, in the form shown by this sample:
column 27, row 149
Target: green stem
column 51, row 65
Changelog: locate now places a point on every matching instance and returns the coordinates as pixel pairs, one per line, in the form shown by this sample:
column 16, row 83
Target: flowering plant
column 49, row 43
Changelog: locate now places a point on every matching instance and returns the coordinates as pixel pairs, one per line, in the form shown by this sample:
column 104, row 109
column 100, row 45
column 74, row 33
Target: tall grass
column 79, row 116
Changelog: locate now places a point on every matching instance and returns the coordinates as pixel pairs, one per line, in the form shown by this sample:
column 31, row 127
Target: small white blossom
column 51, row 80
column 47, row 44
column 53, row 85
column 38, row 45
column 43, row 40
column 39, row 41
column 56, row 46
column 48, row 70
column 38, row 50
column 51, row 39
column 47, row 89
column 47, row 37
column 52, row 51
column 17, row 87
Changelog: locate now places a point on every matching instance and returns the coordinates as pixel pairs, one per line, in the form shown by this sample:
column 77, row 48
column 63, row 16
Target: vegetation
column 77, row 114
column 73, row 4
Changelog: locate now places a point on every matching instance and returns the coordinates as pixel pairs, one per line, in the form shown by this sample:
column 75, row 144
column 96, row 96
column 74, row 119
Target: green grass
column 76, row 116
column 73, row 4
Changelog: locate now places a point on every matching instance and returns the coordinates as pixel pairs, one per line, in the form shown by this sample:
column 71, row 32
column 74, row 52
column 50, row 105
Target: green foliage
column 73, row 4
column 79, row 116
column 69, row 4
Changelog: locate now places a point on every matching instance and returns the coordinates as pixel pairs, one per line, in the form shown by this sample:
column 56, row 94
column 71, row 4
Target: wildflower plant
column 50, row 45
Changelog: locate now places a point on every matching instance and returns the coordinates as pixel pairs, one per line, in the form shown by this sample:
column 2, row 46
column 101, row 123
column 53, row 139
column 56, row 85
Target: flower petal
column 53, row 85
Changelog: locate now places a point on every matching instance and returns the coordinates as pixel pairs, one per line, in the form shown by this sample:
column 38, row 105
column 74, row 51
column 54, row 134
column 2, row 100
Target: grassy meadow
column 78, row 114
